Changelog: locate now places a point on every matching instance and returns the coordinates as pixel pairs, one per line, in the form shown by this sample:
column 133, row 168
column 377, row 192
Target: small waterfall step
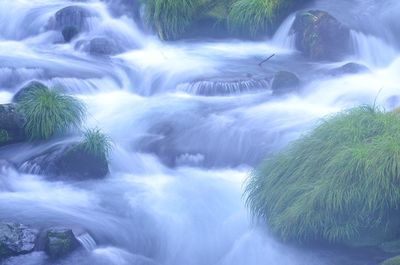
column 87, row 241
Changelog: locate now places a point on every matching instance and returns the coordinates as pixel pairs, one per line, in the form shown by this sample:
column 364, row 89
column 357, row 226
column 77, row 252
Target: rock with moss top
column 11, row 125
column 16, row 239
column 59, row 242
column 69, row 161
column 26, row 89
column 320, row 36
column 285, row 82
column 392, row 261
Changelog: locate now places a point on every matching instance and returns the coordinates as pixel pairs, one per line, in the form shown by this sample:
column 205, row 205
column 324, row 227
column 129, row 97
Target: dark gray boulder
column 70, row 21
column 16, row 239
column 31, row 86
column 72, row 16
column 284, row 82
column 11, row 125
column 59, row 242
column 320, row 36
column 69, row 33
column 66, row 161
column 102, row 46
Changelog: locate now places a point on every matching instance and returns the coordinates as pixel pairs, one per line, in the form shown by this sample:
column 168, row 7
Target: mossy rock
column 11, row 125
column 320, row 36
column 60, row 242
column 67, row 162
column 392, row 261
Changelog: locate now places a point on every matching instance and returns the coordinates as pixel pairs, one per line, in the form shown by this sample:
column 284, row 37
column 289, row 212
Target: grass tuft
column 96, row 143
column 335, row 184
column 171, row 18
column 253, row 18
column 48, row 112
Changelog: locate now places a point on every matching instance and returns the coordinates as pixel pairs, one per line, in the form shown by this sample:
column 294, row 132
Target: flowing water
column 189, row 121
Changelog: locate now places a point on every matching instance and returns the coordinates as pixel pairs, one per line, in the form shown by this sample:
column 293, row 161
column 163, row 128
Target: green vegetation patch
column 48, row 111
column 170, row 18
column 336, row 184
column 96, row 143
column 4, row 136
column 392, row 261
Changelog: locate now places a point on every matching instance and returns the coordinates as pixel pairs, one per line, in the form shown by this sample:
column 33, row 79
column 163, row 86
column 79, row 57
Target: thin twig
column 266, row 60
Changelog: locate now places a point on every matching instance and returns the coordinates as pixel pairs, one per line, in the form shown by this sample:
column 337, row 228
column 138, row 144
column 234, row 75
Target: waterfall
column 372, row 50
column 87, row 241
column 283, row 36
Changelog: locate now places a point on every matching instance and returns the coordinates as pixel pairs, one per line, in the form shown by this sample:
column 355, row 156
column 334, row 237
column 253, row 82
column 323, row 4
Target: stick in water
column 266, row 60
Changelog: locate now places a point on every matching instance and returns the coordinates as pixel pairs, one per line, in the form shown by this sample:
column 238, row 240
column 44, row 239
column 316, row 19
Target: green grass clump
column 392, row 261
column 336, row 184
column 252, row 18
column 48, row 112
column 96, row 143
column 171, row 18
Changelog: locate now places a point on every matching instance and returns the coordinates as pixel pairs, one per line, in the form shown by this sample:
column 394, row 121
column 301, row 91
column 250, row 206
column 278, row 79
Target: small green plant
column 4, row 137
column 96, row 143
column 392, row 261
column 48, row 111
column 338, row 184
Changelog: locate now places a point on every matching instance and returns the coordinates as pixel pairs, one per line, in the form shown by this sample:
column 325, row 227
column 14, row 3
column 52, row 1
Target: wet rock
column 67, row 161
column 103, row 46
column 31, row 86
column 72, row 16
column 59, row 242
column 16, row 239
column 350, row 68
column 284, row 82
column 70, row 21
column 221, row 87
column 320, row 36
column 69, row 33
column 11, row 125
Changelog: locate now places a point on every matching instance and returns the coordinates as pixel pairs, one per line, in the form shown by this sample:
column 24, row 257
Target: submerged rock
column 11, row 125
column 103, row 46
column 67, row 161
column 284, row 82
column 320, row 36
column 59, row 242
column 16, row 239
column 350, row 68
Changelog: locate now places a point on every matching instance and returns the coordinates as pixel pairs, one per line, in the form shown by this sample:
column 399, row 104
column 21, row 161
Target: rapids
column 181, row 154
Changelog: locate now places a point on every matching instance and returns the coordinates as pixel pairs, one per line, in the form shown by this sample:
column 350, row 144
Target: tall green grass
column 334, row 184
column 171, row 18
column 258, row 17
column 48, row 112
